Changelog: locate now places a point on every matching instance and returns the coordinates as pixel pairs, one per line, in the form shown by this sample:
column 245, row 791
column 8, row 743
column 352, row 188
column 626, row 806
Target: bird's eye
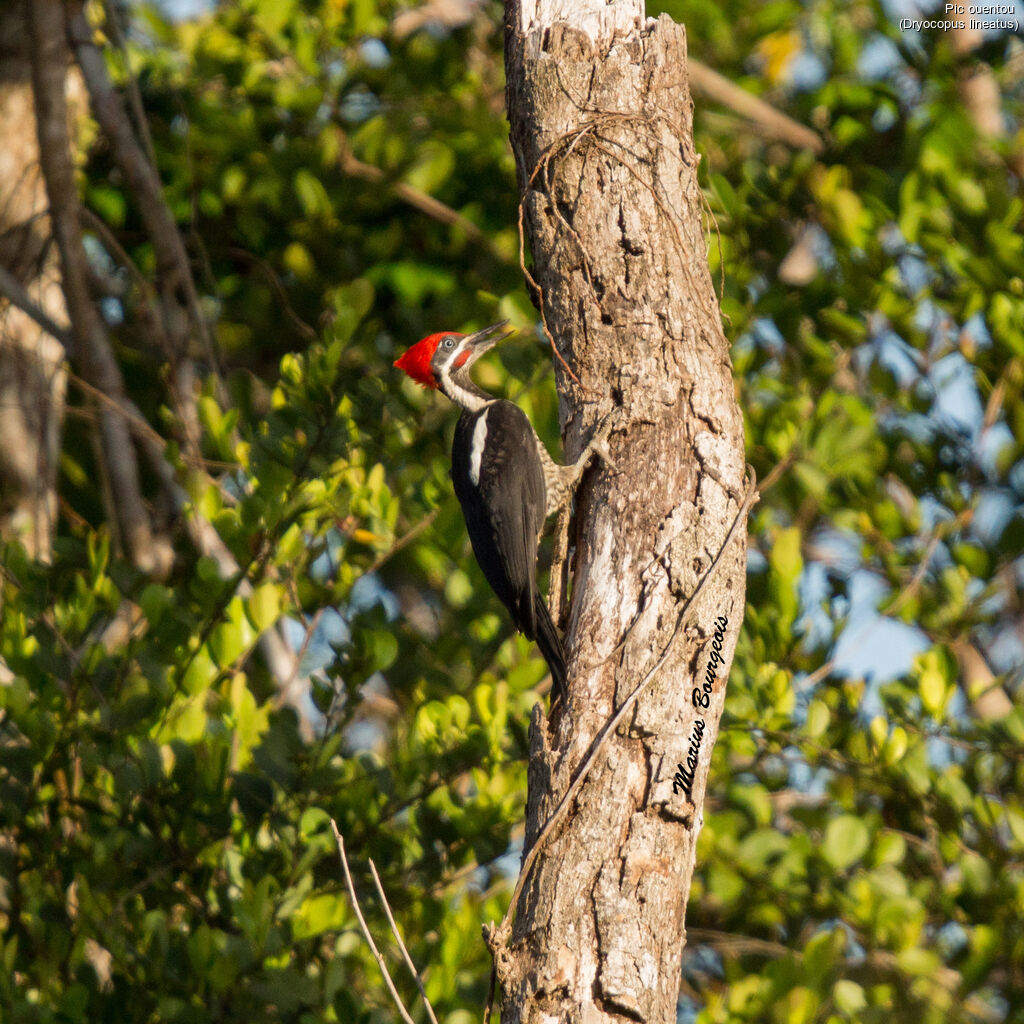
column 449, row 342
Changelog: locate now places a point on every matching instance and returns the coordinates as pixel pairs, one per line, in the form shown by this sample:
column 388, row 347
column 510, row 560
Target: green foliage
column 863, row 844
column 165, row 846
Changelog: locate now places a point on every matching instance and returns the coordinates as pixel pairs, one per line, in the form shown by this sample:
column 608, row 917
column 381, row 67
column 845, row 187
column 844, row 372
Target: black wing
column 504, row 506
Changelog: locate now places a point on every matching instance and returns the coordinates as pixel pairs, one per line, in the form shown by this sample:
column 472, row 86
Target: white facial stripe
column 476, row 448
column 446, row 366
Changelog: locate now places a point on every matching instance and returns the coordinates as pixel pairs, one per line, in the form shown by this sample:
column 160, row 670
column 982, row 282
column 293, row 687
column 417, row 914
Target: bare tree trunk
column 32, row 375
column 50, row 57
column 601, row 124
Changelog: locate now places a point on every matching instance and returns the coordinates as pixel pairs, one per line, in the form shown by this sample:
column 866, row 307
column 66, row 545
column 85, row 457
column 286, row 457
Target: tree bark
column 601, row 125
column 50, row 57
column 33, row 379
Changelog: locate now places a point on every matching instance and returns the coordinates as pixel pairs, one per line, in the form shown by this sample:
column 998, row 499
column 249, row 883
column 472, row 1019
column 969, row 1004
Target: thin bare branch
column 815, row 677
column 113, row 27
column 366, row 931
column 738, row 945
column 96, row 224
column 917, row 579
column 779, row 469
column 426, row 204
column 401, row 945
column 407, row 538
column 771, row 121
column 277, row 284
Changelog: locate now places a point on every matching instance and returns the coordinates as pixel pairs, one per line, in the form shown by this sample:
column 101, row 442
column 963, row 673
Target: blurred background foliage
column 341, row 175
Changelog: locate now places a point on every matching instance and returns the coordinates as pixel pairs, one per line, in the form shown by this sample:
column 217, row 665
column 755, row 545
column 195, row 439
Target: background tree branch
column 49, row 64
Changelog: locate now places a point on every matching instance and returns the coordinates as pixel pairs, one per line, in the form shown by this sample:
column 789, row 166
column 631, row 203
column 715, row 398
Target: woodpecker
column 504, row 478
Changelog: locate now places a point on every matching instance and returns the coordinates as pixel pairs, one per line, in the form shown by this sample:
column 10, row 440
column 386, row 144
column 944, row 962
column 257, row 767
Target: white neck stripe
column 476, row 448
column 464, row 397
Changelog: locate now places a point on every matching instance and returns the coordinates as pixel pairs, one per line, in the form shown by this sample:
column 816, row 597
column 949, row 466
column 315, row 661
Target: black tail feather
column 550, row 645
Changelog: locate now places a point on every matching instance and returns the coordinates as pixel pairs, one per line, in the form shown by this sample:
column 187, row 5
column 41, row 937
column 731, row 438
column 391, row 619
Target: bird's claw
column 599, row 442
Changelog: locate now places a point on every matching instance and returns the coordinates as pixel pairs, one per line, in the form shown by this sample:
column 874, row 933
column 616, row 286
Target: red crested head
column 416, row 361
column 439, row 360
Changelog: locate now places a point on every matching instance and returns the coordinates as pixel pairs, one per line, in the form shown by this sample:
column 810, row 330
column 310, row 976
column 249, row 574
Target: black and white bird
column 504, row 478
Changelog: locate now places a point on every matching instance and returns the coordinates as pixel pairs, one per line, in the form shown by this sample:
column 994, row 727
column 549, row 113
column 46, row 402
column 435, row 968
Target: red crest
column 416, row 361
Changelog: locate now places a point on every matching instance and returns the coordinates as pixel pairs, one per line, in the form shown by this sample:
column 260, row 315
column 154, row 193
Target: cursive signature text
column 701, row 699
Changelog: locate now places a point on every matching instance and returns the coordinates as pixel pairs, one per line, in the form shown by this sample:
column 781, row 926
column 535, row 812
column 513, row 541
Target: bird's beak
column 483, row 341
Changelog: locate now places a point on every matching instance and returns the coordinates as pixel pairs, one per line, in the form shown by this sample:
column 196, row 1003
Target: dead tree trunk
column 32, row 375
column 601, row 124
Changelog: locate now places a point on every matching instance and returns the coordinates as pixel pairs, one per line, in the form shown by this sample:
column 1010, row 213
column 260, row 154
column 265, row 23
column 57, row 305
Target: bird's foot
column 599, row 442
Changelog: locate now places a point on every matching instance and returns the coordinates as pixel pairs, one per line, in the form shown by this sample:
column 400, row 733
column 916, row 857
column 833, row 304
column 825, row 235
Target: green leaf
column 920, row 962
column 264, row 606
column 314, row 821
column 109, row 204
column 201, row 672
column 846, row 841
column 227, row 643
column 312, row 194
column 299, row 260
column 383, row 649
column 432, row 168
column 849, row 996
column 932, row 688
column 785, row 556
column 889, row 848
column 822, row 952
column 319, row 914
